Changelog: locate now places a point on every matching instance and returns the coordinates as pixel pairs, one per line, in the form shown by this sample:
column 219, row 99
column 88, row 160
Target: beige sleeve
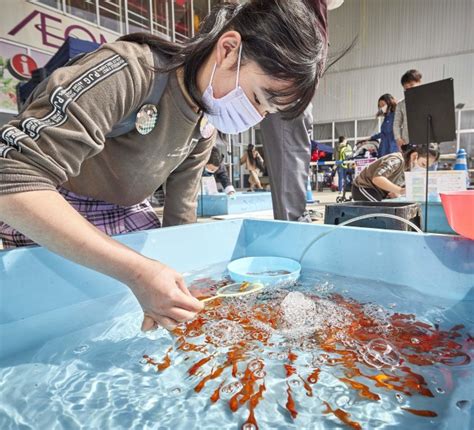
column 68, row 121
column 398, row 121
column 182, row 186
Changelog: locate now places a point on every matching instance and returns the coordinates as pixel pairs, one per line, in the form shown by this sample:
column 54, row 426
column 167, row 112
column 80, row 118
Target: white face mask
column 233, row 113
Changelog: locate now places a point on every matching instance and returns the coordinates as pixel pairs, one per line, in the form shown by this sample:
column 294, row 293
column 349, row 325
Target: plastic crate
column 338, row 213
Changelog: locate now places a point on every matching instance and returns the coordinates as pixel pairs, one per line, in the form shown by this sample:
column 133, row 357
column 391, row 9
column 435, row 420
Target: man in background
column 410, row 79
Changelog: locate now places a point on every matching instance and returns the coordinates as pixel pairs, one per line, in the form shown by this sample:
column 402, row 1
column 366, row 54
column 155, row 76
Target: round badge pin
column 206, row 128
column 146, row 120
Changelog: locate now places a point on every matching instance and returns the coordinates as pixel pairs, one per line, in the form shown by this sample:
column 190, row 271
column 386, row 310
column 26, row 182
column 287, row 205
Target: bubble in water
column 295, row 382
column 392, row 305
column 255, row 365
column 415, row 341
column 462, row 405
column 301, row 316
column 81, row 349
column 224, row 332
column 379, row 353
column 325, row 287
column 400, row 398
column 176, row 391
column 249, row 426
column 440, row 390
column 260, row 374
column 232, row 388
column 438, row 320
column 342, row 400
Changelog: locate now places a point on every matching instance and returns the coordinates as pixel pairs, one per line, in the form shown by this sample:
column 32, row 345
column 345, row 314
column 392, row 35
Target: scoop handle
column 208, row 299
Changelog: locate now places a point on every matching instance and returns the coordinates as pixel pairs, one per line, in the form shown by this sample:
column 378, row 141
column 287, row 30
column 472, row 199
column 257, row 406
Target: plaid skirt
column 109, row 218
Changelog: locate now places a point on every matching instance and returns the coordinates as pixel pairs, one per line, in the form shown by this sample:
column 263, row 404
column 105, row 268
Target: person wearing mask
column 387, row 106
column 216, row 167
column 67, row 182
column 343, row 153
column 254, row 164
column 385, row 178
column 412, row 78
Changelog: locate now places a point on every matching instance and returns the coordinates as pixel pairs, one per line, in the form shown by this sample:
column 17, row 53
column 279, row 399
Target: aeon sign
column 51, row 35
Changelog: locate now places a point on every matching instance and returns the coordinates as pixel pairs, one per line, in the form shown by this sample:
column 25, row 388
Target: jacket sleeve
column 376, row 136
column 222, row 177
column 398, row 122
column 182, row 186
column 67, row 122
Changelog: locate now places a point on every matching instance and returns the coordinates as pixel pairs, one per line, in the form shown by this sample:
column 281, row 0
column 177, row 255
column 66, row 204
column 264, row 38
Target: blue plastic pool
column 72, row 355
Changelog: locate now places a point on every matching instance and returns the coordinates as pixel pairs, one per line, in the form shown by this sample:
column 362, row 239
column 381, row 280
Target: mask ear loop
column 238, row 66
column 212, row 74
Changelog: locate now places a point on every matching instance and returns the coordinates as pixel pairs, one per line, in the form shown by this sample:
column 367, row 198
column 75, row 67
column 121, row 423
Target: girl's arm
column 47, row 218
column 384, row 184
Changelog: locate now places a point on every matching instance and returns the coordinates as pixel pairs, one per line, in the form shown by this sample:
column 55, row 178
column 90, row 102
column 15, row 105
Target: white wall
column 433, row 36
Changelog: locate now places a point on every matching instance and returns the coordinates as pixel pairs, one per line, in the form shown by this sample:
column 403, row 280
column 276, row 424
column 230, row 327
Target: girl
column 385, row 178
column 387, row 105
column 59, row 158
column 254, row 164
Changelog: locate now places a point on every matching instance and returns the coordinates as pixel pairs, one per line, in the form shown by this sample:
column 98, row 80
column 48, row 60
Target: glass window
column 183, row 19
column 111, row 15
column 467, row 119
column 367, row 127
column 53, row 3
column 82, row 9
column 322, row 131
column 200, row 12
column 161, row 17
column 467, row 143
column 346, row 129
column 138, row 16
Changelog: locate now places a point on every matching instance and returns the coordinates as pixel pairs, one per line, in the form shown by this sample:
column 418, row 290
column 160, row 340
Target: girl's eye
column 256, row 99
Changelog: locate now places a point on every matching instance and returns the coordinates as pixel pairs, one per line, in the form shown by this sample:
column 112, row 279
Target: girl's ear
column 227, row 49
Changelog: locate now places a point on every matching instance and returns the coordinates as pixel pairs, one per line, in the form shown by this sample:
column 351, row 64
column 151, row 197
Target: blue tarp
column 70, row 48
column 321, row 147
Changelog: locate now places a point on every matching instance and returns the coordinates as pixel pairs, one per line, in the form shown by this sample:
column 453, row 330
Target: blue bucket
column 266, row 270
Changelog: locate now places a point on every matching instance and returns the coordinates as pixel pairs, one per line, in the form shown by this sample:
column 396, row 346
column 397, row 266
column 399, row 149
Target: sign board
column 21, row 66
column 438, row 182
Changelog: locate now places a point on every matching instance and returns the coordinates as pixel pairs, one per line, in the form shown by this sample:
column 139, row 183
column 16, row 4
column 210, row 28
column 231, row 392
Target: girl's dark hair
column 250, row 156
column 410, row 148
column 286, row 38
column 390, row 101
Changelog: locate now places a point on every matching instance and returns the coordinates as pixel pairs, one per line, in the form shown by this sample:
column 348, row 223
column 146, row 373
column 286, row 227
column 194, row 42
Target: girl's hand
column 163, row 296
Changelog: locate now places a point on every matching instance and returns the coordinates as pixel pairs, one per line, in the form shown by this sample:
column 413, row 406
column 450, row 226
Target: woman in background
column 387, row 105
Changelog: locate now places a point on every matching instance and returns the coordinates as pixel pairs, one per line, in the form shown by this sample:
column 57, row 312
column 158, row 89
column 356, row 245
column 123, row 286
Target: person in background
column 216, row 167
column 344, row 151
column 410, row 79
column 387, row 105
column 287, row 150
column 254, row 164
column 385, row 178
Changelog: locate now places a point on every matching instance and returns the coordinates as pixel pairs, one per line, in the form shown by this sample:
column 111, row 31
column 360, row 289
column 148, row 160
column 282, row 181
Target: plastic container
column 459, row 209
column 336, row 214
column 266, row 270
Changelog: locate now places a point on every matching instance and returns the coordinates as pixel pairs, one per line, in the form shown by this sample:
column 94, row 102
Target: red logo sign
column 21, row 66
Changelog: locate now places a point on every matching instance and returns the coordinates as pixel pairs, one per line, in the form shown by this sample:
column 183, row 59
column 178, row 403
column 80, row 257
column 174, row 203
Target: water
column 331, row 352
